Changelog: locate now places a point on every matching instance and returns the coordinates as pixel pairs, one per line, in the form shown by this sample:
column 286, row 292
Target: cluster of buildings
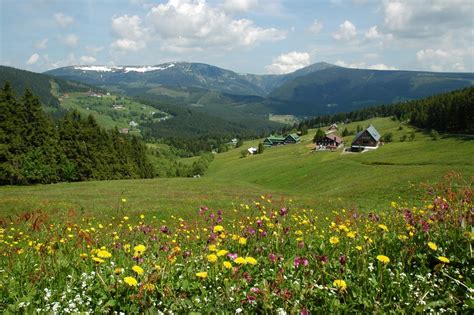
column 368, row 139
column 281, row 140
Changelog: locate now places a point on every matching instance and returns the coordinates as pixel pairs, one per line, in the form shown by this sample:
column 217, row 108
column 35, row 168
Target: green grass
column 103, row 112
column 320, row 180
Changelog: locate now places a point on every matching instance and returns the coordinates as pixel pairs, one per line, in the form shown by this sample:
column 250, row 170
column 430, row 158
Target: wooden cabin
column 292, row 139
column 273, row 141
column 366, row 139
column 331, row 141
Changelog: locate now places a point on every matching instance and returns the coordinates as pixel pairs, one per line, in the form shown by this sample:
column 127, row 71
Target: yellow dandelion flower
column 98, row 260
column 222, row 252
column 140, row 249
column 227, row 264
column 84, row 255
column 240, row 261
column 359, row 248
column 103, row 254
column 218, row 228
column 383, row 227
column 118, row 270
column 383, row 259
column 242, row 241
column 351, row 234
column 211, row 258
column 334, row 240
column 212, row 248
column 340, row 284
column 443, row 259
column 124, row 200
column 202, row 274
column 432, row 245
column 139, row 270
column 131, row 281
column 251, row 260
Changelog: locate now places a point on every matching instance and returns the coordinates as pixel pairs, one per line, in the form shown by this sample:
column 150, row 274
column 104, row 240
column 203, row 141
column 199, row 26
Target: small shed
column 252, row 150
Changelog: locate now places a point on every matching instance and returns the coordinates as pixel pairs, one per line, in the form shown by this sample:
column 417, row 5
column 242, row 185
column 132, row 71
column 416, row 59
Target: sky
column 246, row 36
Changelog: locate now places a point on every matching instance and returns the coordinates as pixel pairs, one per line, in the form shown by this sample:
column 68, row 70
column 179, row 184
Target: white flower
column 238, row 311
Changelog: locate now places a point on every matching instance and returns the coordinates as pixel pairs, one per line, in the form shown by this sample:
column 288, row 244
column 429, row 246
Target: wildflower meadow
column 260, row 257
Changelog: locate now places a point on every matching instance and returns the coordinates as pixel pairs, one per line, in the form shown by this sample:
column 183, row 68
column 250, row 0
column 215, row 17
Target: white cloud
column 70, row 40
column 316, row 27
column 373, row 33
column 87, row 60
column 347, row 31
column 239, row 5
column 131, row 34
column 182, row 25
column 444, row 59
column 286, row 63
column 63, row 20
column 381, row 66
column 426, row 18
column 42, row 44
column 33, row 59
column 363, row 65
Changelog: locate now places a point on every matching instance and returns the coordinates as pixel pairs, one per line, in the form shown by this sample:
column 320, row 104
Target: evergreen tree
column 318, row 136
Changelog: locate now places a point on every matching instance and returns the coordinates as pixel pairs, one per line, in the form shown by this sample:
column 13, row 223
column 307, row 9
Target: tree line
column 36, row 149
column 451, row 112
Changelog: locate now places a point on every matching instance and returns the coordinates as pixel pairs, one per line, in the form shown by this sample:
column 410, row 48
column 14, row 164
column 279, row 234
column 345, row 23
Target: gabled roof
column 372, row 132
column 294, row 136
column 334, row 138
column 275, row 138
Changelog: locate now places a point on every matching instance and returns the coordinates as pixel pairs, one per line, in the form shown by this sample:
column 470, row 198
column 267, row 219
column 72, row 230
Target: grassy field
column 319, row 180
column 103, row 111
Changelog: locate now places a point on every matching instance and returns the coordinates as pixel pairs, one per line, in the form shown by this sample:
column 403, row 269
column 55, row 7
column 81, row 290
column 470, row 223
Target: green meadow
column 292, row 174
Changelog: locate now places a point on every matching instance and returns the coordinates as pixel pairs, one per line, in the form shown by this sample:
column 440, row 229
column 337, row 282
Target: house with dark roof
column 291, row 139
column 330, row 141
column 366, row 139
column 273, row 141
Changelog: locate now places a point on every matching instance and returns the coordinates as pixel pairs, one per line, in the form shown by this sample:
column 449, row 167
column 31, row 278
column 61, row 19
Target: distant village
column 364, row 140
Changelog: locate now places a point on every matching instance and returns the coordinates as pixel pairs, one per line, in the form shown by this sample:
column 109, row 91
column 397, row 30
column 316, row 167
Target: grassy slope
column 101, row 109
column 322, row 180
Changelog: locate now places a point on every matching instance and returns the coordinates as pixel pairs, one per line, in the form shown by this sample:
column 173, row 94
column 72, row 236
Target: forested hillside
column 39, row 84
column 34, row 149
column 449, row 112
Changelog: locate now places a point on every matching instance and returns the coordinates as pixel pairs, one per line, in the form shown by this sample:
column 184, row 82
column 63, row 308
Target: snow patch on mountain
column 141, row 69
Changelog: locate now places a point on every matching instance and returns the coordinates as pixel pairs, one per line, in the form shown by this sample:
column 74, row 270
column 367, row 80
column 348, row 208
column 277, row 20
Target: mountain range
column 320, row 88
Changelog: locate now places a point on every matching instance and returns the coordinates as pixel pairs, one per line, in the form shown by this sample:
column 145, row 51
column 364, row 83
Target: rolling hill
column 318, row 89
column 338, row 89
column 40, row 84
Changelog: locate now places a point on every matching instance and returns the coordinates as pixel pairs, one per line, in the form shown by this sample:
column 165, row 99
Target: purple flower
column 272, row 257
column 298, row 261
column 342, row 259
column 164, row 229
column 232, row 255
column 283, row 212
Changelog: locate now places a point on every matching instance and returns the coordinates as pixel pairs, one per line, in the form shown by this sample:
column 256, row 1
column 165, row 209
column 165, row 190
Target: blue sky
column 251, row 36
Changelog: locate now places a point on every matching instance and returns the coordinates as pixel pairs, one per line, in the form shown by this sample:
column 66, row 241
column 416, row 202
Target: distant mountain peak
column 124, row 69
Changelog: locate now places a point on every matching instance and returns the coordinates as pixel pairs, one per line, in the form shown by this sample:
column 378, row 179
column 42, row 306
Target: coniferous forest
column 451, row 112
column 36, row 149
